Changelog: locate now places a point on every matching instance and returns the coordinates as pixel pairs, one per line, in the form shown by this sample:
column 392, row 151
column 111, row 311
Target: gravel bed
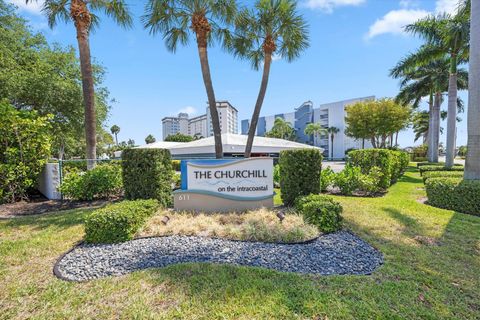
column 336, row 253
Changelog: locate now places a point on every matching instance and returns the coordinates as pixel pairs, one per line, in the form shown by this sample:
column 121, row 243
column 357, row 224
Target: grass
column 431, row 272
column 257, row 225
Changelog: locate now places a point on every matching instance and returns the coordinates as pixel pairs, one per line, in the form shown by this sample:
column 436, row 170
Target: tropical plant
column 80, row 12
column 150, row 139
column 273, row 27
column 332, row 131
column 472, row 165
column 179, row 137
column 281, row 129
column 447, row 35
column 208, row 20
column 421, row 125
column 115, row 130
column 315, row 129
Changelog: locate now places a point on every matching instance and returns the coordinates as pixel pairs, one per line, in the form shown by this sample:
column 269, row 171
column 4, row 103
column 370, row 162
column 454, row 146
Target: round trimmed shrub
column 325, row 215
column 299, row 173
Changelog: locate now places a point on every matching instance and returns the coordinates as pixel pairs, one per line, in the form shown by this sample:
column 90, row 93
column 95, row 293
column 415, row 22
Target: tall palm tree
column 273, row 27
column 427, row 78
column 315, row 129
column 472, row 166
column 281, row 129
column 447, row 35
column 81, row 13
column 115, row 130
column 332, row 131
column 208, row 20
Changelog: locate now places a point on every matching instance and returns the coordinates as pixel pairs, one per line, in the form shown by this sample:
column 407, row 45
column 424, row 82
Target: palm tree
column 427, row 78
column 80, row 12
column 421, row 124
column 315, row 129
column 447, row 35
column 472, row 166
column 150, row 139
column 281, row 129
column 332, row 131
column 176, row 20
column 115, row 130
column 274, row 27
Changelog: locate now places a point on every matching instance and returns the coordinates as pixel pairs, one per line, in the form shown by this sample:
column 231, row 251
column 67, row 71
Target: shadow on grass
column 60, row 220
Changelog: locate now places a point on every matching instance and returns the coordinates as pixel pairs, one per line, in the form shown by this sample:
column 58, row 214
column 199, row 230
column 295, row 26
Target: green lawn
column 432, row 271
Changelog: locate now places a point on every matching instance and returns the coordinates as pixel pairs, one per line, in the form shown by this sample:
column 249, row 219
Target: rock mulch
column 337, row 253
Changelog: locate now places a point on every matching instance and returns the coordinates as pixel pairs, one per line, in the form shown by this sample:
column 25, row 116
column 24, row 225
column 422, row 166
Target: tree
column 315, row 129
column 447, row 35
column 115, row 130
column 421, row 125
column 80, row 13
column 131, row 143
column 208, row 20
column 376, row 120
column 332, row 131
column 472, row 165
column 150, row 139
column 178, row 137
column 282, row 130
column 271, row 28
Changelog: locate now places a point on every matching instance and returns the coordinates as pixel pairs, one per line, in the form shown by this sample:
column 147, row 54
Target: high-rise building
column 198, row 126
column 228, row 118
column 328, row 115
column 174, row 125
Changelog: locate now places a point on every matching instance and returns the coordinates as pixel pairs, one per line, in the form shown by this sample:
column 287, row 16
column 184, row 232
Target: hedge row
column 392, row 163
column 147, row 174
column 118, row 222
column 428, row 168
column 441, row 174
column 426, row 163
column 299, row 173
column 454, row 194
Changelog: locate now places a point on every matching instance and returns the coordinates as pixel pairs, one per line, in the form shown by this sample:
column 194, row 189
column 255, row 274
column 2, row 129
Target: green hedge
column 147, row 174
column 441, row 174
column 118, row 222
column 424, row 169
column 392, row 163
column 320, row 211
column 454, row 194
column 426, row 163
column 176, row 165
column 299, row 173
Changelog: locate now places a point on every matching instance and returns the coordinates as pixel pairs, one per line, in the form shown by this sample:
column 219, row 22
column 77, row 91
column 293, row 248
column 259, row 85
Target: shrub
column 325, row 215
column 101, row 182
column 301, row 201
column 441, row 174
column 276, row 176
column 299, row 173
column 370, row 183
column 147, row 174
column 327, row 178
column 420, row 153
column 176, row 165
column 24, row 149
column 454, row 194
column 348, row 180
column 69, row 166
column 176, row 180
column 426, row 163
column 392, row 163
column 439, row 168
column 118, row 222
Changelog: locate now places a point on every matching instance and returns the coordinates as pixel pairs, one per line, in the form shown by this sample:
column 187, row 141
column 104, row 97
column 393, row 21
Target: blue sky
column 353, row 44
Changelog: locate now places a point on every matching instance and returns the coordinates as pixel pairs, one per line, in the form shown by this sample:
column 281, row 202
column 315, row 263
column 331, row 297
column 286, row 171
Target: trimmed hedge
column 392, row 163
column 441, row 174
column 299, row 173
column 426, row 163
column 321, row 211
column 148, row 174
column 454, row 194
column 439, row 168
column 118, row 222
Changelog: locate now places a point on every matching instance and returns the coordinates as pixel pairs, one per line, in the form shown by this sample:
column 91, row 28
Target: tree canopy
column 282, row 130
column 178, row 137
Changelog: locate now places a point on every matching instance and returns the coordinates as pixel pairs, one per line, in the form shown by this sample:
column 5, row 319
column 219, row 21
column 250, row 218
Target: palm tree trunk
column 207, row 80
column 430, row 131
column 88, row 93
column 452, row 112
column 332, row 137
column 116, row 139
column 363, row 143
column 472, row 165
column 258, row 105
column 436, row 126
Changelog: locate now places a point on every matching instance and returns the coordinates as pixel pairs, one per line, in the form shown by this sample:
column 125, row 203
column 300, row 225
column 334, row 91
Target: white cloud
column 448, row 6
column 409, row 3
column 189, row 109
column 33, row 7
column 329, row 5
column 394, row 22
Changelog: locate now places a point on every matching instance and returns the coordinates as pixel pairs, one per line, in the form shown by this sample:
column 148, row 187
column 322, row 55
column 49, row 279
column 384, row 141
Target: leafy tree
column 150, row 139
column 273, row 27
column 197, row 136
column 472, row 165
column 332, row 131
column 208, row 20
column 115, row 130
column 315, row 129
column 447, row 35
column 178, row 137
column 80, row 12
column 282, row 130
column 24, row 149
column 376, row 120
column 131, row 143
